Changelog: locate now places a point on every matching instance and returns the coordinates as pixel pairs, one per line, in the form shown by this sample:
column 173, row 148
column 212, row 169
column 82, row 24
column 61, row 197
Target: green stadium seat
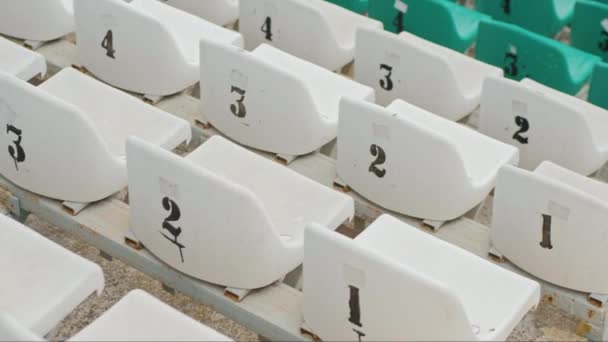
column 590, row 27
column 546, row 17
column 522, row 53
column 440, row 21
column 358, row 6
column 598, row 92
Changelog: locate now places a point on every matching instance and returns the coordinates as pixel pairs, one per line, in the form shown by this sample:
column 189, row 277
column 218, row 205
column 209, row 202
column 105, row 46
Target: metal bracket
column 340, row 184
column 74, row 208
column 496, row 255
column 33, row 44
column 433, row 225
column 285, row 159
column 14, row 206
column 305, row 331
column 152, row 99
column 132, row 241
column 598, row 300
column 203, row 122
column 236, row 294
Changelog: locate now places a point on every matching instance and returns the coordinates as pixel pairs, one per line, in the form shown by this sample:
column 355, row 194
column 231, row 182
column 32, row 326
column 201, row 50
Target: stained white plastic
column 241, row 216
column 549, row 125
column 42, row 282
column 314, row 30
column 67, row 135
column 572, row 207
column 141, row 317
column 20, row 62
column 430, row 76
column 153, row 48
column 36, row 20
column 394, row 282
column 414, row 162
column 288, row 105
column 219, row 12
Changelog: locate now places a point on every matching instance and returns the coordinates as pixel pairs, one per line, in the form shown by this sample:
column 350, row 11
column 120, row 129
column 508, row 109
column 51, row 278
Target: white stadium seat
column 395, row 282
column 141, row 317
column 545, row 124
column 430, row 76
column 224, row 214
column 36, row 20
column 66, row 137
column 314, row 30
column 42, row 282
column 20, row 62
column 414, row 162
column 219, row 12
column 270, row 100
column 136, row 317
column 144, row 46
column 552, row 224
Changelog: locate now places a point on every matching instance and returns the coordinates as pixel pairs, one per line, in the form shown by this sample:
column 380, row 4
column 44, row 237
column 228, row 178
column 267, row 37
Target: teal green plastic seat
column 546, row 17
column 590, row 28
column 598, row 91
column 440, row 21
column 522, row 53
column 358, row 6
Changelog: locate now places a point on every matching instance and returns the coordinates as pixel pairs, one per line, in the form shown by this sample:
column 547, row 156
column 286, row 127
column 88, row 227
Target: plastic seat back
column 20, row 62
column 425, row 74
column 550, row 222
column 439, row 21
column 220, row 12
column 526, row 115
column 599, row 86
column 37, row 20
column 131, row 49
column 590, row 28
column 545, row 17
column 51, row 144
column 353, row 292
column 184, row 213
column 522, row 53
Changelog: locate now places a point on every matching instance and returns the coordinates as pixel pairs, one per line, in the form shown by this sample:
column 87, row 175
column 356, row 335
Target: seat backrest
column 439, row 21
column 549, row 225
column 599, row 86
column 18, row 61
column 187, row 216
column 53, row 148
column 526, row 115
column 522, row 54
column 545, row 17
column 376, row 150
column 590, row 27
column 256, row 102
column 220, row 12
column 127, row 47
column 353, row 292
column 36, row 20
column 299, row 27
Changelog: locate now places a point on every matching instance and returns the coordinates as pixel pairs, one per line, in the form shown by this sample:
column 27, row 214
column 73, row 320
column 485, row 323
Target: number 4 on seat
column 414, row 162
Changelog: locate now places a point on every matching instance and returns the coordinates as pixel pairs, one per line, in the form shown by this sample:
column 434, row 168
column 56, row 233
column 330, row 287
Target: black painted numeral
column 354, row 306
column 16, row 152
column 108, row 44
column 267, row 28
column 174, row 215
column 506, row 6
column 360, row 334
column 377, row 152
column 387, row 82
column 603, row 44
column 398, row 22
column 546, row 242
column 510, row 67
column 524, row 126
column 239, row 108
